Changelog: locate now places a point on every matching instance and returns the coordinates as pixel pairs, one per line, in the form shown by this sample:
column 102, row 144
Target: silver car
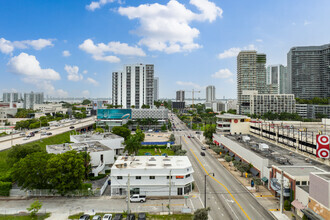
column 96, row 217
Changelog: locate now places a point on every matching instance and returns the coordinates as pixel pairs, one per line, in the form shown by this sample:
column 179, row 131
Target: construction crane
column 192, row 95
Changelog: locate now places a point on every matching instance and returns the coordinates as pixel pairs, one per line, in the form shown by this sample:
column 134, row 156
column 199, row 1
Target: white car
column 107, row 217
column 26, row 138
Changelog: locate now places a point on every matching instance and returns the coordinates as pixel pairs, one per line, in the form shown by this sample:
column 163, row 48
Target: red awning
column 298, row 205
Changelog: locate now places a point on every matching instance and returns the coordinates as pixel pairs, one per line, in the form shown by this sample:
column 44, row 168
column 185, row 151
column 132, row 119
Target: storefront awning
column 231, row 153
column 297, row 204
column 264, row 179
column 237, row 158
column 254, row 171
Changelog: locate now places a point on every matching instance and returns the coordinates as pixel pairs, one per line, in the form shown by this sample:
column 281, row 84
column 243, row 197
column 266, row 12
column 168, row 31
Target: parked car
column 47, row 128
column 49, row 133
column 118, row 217
column 84, row 217
column 43, row 133
column 138, row 198
column 22, row 134
column 26, row 138
column 202, row 153
column 107, row 217
column 96, row 217
column 130, row 217
column 203, row 148
column 188, row 136
column 142, row 216
column 71, row 127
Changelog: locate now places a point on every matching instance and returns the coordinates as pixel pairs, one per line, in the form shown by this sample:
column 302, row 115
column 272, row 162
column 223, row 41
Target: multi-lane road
column 7, row 141
column 227, row 197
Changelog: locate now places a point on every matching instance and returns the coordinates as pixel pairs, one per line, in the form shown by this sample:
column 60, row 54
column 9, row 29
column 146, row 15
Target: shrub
column 287, row 205
column 107, row 171
column 100, row 176
column 5, row 188
column 201, row 214
column 228, row 158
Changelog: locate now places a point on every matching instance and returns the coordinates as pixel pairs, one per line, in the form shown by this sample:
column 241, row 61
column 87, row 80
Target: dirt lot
column 157, row 137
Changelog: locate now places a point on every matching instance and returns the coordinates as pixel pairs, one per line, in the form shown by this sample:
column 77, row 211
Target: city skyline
column 74, row 56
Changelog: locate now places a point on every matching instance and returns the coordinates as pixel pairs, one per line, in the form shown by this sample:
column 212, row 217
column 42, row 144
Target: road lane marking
column 265, row 196
column 162, row 204
column 218, row 182
column 274, row 209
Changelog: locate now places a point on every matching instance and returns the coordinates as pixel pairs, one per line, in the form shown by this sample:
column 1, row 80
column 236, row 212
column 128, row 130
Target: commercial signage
column 114, row 114
column 322, row 146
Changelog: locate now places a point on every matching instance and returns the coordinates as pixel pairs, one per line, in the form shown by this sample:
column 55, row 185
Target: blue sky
column 71, row 47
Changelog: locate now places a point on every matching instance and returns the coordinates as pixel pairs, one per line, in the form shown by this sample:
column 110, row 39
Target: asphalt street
column 227, row 198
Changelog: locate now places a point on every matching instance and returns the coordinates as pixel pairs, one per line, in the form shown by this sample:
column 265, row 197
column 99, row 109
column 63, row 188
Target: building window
column 138, row 177
column 152, row 177
column 188, row 175
column 119, row 177
column 168, row 177
column 298, row 183
column 303, row 183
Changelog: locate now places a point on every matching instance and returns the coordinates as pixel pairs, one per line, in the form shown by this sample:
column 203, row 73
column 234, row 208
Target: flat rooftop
column 232, row 116
column 278, row 156
column 325, row 176
column 95, row 137
column 91, row 147
column 151, row 162
column 299, row 170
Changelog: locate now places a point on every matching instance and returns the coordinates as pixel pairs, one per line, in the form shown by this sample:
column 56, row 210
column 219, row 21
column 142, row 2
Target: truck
column 138, row 198
column 263, row 147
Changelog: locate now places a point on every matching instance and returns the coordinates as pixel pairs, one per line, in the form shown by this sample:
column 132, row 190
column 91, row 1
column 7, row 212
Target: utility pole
column 169, row 195
column 128, row 194
column 281, row 199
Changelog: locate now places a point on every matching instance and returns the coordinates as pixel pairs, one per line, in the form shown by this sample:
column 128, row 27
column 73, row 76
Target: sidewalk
column 263, row 195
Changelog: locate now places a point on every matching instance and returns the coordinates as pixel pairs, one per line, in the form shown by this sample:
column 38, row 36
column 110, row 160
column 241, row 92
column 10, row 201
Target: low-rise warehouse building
column 152, row 176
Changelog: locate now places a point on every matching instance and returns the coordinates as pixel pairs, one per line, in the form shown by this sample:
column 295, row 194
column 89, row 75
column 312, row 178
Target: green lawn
column 24, row 217
column 143, row 151
column 149, row 217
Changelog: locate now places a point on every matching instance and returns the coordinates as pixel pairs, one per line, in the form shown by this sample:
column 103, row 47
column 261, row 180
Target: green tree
column 243, row 167
column 34, row 207
column 209, row 131
column 132, row 144
column 257, row 181
column 232, row 111
column 201, row 214
column 121, row 131
column 287, row 205
column 30, row 172
column 140, row 135
column 106, row 127
column 172, row 138
column 18, row 152
column 145, row 106
column 66, row 171
column 86, row 102
column 163, row 128
column 87, row 163
column 228, row 158
column 99, row 130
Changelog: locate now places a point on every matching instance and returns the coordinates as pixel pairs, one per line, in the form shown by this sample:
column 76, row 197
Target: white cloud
column 99, row 50
column 28, row 66
column 97, row 4
column 307, row 22
column 46, row 86
column 8, row 47
column 234, row 51
column 166, row 27
column 66, row 53
column 85, row 93
column 222, row 74
column 73, row 73
column 195, row 85
column 92, row 81
column 259, row 40
column 230, row 80
column 85, row 72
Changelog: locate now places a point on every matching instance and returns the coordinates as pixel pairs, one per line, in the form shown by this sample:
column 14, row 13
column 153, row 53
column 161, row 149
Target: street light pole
column 206, row 175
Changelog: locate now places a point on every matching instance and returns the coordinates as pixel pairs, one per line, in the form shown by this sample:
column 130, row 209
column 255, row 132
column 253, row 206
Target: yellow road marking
column 274, row 209
column 218, row 181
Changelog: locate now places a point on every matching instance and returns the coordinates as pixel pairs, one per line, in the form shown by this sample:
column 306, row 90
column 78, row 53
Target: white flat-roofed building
column 232, row 124
column 112, row 141
column 150, row 175
column 102, row 157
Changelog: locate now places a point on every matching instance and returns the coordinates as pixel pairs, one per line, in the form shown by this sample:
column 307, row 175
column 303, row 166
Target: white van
column 138, row 198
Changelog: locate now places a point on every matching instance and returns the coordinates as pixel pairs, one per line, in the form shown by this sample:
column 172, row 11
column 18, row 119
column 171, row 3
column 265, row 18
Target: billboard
column 114, row 114
column 322, row 146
